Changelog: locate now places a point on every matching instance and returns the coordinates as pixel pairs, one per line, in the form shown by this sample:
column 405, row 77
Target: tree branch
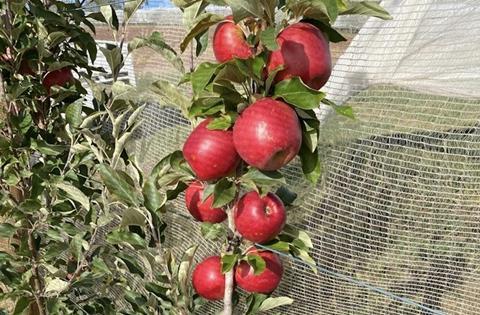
column 229, row 283
column 38, row 287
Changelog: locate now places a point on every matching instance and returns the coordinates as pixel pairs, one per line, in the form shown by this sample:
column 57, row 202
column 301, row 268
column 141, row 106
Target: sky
column 158, row 4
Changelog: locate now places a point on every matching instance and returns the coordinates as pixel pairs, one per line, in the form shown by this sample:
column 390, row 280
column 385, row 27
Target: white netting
column 395, row 220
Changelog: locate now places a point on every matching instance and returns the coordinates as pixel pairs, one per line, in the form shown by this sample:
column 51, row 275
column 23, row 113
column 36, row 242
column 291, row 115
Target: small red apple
column 304, row 52
column 267, row 281
column 210, row 153
column 58, row 77
column 259, row 219
column 202, row 211
column 267, row 135
column 229, row 42
column 208, row 280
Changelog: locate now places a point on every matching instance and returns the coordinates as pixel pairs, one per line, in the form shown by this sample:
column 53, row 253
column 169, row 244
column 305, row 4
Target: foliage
column 84, row 222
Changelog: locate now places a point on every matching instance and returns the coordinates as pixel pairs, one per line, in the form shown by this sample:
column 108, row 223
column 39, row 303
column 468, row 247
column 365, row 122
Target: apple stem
column 229, row 285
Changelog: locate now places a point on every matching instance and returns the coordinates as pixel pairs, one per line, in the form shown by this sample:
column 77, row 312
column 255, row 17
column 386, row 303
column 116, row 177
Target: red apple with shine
column 210, row 153
column 267, row 135
column 259, row 219
column 202, row 211
column 229, row 42
column 267, row 281
column 208, row 280
column 304, row 52
column 58, row 77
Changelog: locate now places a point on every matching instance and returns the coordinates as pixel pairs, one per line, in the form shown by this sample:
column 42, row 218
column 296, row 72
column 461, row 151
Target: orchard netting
column 395, row 220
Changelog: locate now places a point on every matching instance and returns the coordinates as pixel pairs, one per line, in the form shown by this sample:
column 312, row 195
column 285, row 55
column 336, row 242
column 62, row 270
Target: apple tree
column 253, row 111
column 83, row 221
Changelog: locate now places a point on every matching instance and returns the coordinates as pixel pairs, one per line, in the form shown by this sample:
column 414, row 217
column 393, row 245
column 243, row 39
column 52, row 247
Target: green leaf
column 154, row 198
column 333, row 35
column 278, row 245
column 7, row 230
column 75, row 194
column 310, row 133
column 346, row 111
column 223, row 193
column 269, row 38
column 295, row 92
column 286, row 195
column 369, row 8
column 224, row 122
column 212, row 232
column 46, row 148
column 76, row 246
column 201, row 24
column 114, row 57
column 228, row 262
column 172, row 94
column 130, row 7
column 185, row 267
column 310, row 161
column 257, row 263
column 202, row 76
column 120, row 236
column 99, row 266
column 157, row 43
column 22, row 305
column 253, row 303
column 110, row 16
column 117, row 185
column 133, row 216
column 273, row 302
column 264, row 178
column 73, row 114
column 242, row 9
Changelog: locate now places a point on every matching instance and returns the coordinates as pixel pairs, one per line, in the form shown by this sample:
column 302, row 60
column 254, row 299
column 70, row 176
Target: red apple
column 267, row 135
column 208, row 280
column 58, row 77
column 304, row 52
column 210, row 153
column 259, row 219
column 202, row 211
column 229, row 42
column 267, row 281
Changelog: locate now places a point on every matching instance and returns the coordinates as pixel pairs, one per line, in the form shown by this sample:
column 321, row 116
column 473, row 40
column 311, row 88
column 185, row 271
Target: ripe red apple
column 267, row 135
column 208, row 280
column 210, row 153
column 58, row 77
column 229, row 42
column 267, row 281
column 304, row 51
column 259, row 219
column 202, row 211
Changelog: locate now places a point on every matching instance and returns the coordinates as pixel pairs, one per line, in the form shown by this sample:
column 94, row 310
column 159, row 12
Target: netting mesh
column 395, row 219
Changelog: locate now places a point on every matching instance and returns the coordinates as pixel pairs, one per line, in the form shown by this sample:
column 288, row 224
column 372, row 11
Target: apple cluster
column 59, row 77
column 267, row 135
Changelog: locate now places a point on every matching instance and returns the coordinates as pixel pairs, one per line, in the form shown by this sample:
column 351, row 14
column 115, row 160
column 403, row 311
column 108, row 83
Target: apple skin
column 259, row 219
column 210, row 153
column 202, row 211
column 267, row 281
column 304, row 51
column 58, row 77
column 229, row 42
column 267, row 135
column 208, row 280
